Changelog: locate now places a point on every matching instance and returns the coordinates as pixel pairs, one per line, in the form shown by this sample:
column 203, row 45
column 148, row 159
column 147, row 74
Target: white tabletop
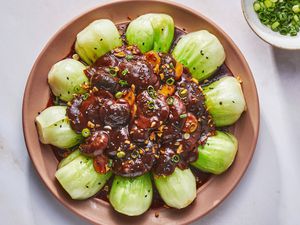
column 267, row 194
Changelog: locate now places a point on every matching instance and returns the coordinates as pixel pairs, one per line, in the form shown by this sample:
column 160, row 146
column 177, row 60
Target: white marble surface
column 269, row 191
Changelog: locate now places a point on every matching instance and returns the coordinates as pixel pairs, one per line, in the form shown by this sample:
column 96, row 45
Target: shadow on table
column 287, row 62
column 256, row 200
column 50, row 211
column 288, row 67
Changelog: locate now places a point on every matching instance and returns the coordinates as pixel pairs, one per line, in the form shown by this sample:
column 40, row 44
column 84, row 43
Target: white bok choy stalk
column 54, row 128
column 225, row 100
column 178, row 190
column 98, row 38
column 77, row 176
column 153, row 31
column 217, row 154
column 131, row 196
column 66, row 78
column 201, row 52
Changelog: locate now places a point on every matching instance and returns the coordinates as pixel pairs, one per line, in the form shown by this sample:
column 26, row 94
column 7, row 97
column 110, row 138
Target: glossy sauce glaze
column 145, row 113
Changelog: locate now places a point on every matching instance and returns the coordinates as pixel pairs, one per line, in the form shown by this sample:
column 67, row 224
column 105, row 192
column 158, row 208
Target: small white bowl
column 265, row 33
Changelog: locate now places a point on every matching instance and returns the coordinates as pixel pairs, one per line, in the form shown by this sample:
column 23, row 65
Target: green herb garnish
column 123, row 83
column 121, row 154
column 183, row 116
column 113, row 71
column 86, row 132
column 151, row 91
column 175, row 158
column 124, row 72
column 135, row 154
column 279, row 15
column 183, row 93
column 170, row 100
column 85, row 96
column 170, row 81
column 129, row 57
column 151, row 105
column 119, row 94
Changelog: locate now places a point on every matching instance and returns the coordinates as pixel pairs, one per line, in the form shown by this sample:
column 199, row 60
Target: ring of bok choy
column 66, row 78
column 137, row 113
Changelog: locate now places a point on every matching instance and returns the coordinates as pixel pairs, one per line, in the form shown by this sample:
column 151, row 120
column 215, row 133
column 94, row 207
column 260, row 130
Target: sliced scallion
column 86, row 132
column 170, row 81
column 170, row 100
column 280, row 16
column 119, row 94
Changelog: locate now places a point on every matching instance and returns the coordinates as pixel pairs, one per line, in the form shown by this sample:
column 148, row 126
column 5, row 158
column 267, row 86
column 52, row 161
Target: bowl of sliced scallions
column 275, row 21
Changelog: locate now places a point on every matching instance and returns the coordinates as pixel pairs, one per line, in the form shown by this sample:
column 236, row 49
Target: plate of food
column 140, row 112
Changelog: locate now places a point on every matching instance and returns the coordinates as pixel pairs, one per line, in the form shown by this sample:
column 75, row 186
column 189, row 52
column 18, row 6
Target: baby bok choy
column 224, row 100
column 217, row 154
column 131, row 196
column 54, row 128
column 66, row 78
column 201, row 52
column 151, row 31
column 178, row 190
column 77, row 176
column 98, row 38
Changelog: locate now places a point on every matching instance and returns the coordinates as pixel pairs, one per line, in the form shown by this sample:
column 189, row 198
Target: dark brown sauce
column 54, row 101
column 201, row 178
column 50, row 101
column 103, row 193
column 177, row 35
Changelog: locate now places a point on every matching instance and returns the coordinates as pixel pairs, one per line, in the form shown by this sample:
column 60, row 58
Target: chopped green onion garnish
column 86, row 132
column 170, row 81
column 123, row 83
column 153, row 95
column 296, row 8
column 119, row 94
column 85, row 96
column 151, row 105
column 284, row 31
column 113, row 71
column 275, row 25
column 183, row 93
column 129, row 57
column 110, row 162
column 279, row 15
column 170, row 100
column 120, row 154
column 256, row 6
column 135, row 154
column 124, row 72
column 151, row 91
column 183, row 116
column 268, row 3
column 175, row 158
